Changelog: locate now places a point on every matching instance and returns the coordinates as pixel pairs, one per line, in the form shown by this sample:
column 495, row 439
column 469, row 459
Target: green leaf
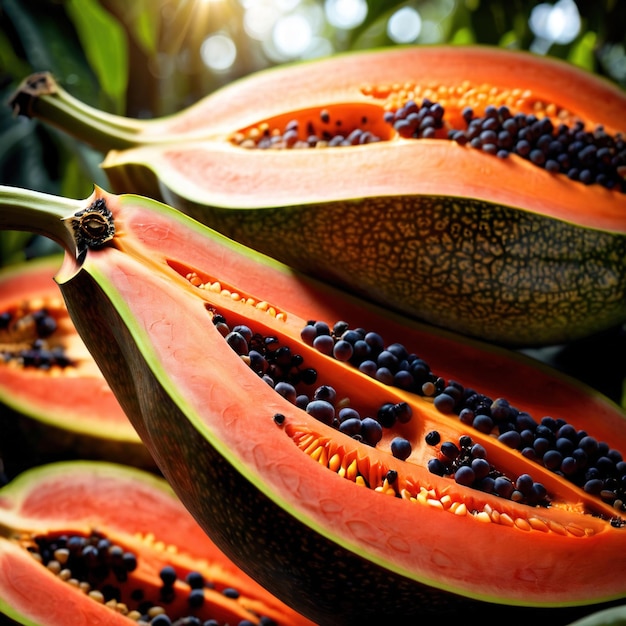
column 582, row 52
column 105, row 45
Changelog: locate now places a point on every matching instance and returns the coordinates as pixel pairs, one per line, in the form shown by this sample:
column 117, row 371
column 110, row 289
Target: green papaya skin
column 496, row 248
column 335, row 552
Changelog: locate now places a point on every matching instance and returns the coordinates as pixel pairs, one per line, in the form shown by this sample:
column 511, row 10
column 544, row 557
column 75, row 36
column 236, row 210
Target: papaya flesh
column 94, row 543
column 49, row 379
column 517, row 250
column 343, row 530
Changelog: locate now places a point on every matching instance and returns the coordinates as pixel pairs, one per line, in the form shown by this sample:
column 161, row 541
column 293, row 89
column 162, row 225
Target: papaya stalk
column 482, row 193
column 226, row 364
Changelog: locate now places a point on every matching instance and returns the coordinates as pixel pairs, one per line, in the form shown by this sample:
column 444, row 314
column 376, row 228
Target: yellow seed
column 323, row 459
column 282, row 317
column 263, row 306
column 65, row 574
column 61, row 555
column 153, row 611
column 54, row 566
column 495, row 516
column 434, row 503
column 406, row 495
column 461, row 509
column 134, row 615
column 538, row 524
column 305, row 441
column 446, row 501
column 120, row 607
column 317, row 453
column 577, row 531
column 522, row 523
column 506, row 519
column 351, row 472
column 235, row 296
column 312, row 447
column 482, row 516
column 360, row 481
column 84, row 586
column 335, row 462
column 215, row 287
column 557, row 528
column 96, row 595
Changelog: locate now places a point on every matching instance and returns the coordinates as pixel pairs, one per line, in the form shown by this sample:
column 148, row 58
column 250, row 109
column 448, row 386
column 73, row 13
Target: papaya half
column 49, row 379
column 87, row 543
column 360, row 466
column 475, row 188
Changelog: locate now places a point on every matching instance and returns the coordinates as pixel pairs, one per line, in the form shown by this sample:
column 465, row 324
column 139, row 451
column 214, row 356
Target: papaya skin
column 60, row 409
column 79, row 497
column 549, row 267
column 254, row 491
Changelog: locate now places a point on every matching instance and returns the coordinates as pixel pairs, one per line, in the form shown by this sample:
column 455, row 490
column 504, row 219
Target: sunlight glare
column 559, row 23
column 404, row 26
column 345, row 14
column 292, row 35
column 218, row 52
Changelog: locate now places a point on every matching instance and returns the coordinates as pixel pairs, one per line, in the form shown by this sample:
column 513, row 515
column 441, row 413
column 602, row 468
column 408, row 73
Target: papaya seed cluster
column 393, row 365
column 103, row 570
column 499, row 122
column 27, row 337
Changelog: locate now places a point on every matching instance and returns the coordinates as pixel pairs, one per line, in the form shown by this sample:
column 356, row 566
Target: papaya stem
column 41, row 213
column 40, row 96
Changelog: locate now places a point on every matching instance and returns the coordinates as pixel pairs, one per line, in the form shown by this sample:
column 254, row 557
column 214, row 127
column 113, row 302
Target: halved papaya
column 203, row 340
column 48, row 376
column 97, row 543
column 475, row 188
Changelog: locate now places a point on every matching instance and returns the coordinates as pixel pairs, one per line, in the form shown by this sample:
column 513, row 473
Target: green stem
column 40, row 96
column 41, row 213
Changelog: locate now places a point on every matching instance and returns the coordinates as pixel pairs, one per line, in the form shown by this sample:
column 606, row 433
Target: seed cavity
column 30, row 338
column 501, row 122
column 464, row 461
column 106, row 572
column 224, row 290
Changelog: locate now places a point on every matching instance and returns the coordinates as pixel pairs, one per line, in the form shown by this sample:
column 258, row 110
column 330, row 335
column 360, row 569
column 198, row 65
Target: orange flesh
column 75, row 397
column 562, row 534
column 209, row 170
column 81, row 505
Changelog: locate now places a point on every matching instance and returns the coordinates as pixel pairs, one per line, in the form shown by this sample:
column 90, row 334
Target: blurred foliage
column 142, row 58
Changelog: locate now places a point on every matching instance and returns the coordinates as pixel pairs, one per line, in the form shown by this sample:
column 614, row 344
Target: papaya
column 359, row 465
column 474, row 188
column 49, row 379
column 88, row 542
column 615, row 616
